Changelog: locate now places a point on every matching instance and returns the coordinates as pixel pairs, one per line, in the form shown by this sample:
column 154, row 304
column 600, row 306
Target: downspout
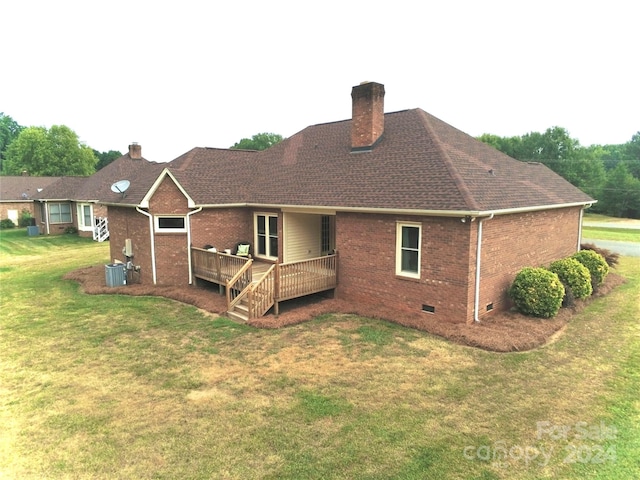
column 580, row 229
column 476, row 295
column 46, row 217
column 153, row 248
column 189, row 242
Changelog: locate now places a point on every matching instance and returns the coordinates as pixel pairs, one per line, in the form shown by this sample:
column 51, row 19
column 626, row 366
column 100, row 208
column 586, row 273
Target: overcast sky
column 177, row 75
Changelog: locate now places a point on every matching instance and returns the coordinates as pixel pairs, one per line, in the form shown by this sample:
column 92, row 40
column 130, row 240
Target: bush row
column 542, row 291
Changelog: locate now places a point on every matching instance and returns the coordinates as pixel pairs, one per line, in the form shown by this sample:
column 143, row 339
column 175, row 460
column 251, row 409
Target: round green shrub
column 7, row 223
column 25, row 218
column 597, row 265
column 574, row 275
column 537, row 292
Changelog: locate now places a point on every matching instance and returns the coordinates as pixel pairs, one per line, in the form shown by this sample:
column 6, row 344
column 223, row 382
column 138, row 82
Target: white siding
column 301, row 236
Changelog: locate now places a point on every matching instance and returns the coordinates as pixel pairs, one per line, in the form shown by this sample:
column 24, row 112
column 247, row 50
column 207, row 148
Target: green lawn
column 617, row 234
column 130, row 387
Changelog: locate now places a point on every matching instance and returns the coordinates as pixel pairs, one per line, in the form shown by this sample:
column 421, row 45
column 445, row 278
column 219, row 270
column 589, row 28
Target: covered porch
column 253, row 287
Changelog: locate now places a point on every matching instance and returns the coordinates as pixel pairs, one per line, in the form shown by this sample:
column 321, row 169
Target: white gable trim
column 165, row 173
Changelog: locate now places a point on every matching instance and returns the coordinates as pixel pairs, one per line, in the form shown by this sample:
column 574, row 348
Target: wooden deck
column 255, row 286
column 258, row 270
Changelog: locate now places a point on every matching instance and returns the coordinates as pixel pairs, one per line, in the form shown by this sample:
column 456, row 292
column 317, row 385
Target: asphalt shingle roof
column 420, row 163
column 20, row 188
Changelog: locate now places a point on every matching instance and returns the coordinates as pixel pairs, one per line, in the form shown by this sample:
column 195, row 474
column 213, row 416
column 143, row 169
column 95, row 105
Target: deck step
column 242, row 308
column 238, row 316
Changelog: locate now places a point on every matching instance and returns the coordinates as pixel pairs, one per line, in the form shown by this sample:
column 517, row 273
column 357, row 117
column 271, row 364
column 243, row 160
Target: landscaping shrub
column 597, row 265
column 610, row 257
column 537, row 291
column 7, row 223
column 25, row 218
column 575, row 277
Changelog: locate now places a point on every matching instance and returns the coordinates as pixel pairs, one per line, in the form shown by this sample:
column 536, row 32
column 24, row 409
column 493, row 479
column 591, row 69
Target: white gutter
column 153, row 247
column 189, row 242
column 476, row 295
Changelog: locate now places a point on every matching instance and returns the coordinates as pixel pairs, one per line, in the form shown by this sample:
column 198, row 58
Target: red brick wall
column 511, row 242
column 367, row 248
column 19, row 206
column 221, row 227
column 172, row 249
column 128, row 223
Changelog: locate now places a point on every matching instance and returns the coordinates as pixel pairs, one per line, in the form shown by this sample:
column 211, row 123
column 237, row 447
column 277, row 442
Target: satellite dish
column 120, row 186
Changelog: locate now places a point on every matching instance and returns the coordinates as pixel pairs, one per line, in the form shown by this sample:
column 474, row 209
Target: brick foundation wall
column 367, row 247
column 511, row 242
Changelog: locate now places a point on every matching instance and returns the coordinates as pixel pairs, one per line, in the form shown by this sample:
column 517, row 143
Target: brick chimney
column 367, row 123
column 135, row 151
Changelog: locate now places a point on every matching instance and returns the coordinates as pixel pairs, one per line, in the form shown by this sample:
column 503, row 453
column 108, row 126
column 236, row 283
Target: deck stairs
column 101, row 229
column 240, row 311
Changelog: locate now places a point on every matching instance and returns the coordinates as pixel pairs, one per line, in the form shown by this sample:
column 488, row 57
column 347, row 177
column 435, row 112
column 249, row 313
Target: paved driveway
column 626, row 249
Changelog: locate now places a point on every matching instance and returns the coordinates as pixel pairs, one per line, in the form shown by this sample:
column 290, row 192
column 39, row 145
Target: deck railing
column 239, row 285
column 296, row 279
column 215, row 266
column 281, row 282
column 101, row 229
column 262, row 294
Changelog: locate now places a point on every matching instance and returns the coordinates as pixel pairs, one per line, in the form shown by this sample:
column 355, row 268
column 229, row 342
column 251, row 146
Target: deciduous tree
column 49, row 152
column 260, row 141
column 9, row 130
column 105, row 158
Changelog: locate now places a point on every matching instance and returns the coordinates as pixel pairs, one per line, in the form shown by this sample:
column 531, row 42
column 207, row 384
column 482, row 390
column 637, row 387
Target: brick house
column 68, row 204
column 397, row 209
column 17, row 193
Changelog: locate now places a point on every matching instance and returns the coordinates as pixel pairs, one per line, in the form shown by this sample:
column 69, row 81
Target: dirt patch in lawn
column 501, row 332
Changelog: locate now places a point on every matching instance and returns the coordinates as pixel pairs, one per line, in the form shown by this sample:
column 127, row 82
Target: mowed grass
column 616, row 231
column 617, row 234
column 129, row 387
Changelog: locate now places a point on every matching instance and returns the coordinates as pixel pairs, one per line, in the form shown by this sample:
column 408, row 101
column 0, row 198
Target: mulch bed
column 500, row 332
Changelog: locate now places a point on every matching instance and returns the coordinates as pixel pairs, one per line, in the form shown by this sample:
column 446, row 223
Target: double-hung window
column 266, row 236
column 60, row 213
column 408, row 244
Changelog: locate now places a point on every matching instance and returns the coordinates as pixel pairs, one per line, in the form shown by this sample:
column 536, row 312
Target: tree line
column 608, row 173
column 57, row 151
column 40, row 151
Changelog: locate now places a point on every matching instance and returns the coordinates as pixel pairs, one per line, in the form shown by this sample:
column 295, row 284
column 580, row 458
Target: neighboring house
column 17, row 193
column 400, row 210
column 68, row 205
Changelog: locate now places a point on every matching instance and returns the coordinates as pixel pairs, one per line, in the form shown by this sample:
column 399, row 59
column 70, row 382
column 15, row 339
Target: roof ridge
column 451, row 168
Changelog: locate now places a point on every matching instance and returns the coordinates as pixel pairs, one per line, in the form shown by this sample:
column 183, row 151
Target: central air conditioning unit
column 115, row 274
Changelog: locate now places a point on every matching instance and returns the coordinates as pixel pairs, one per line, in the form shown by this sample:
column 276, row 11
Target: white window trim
column 268, row 233
column 158, row 229
column 80, row 215
column 399, row 271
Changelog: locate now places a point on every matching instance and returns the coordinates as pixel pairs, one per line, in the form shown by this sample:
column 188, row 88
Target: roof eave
column 324, row 209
